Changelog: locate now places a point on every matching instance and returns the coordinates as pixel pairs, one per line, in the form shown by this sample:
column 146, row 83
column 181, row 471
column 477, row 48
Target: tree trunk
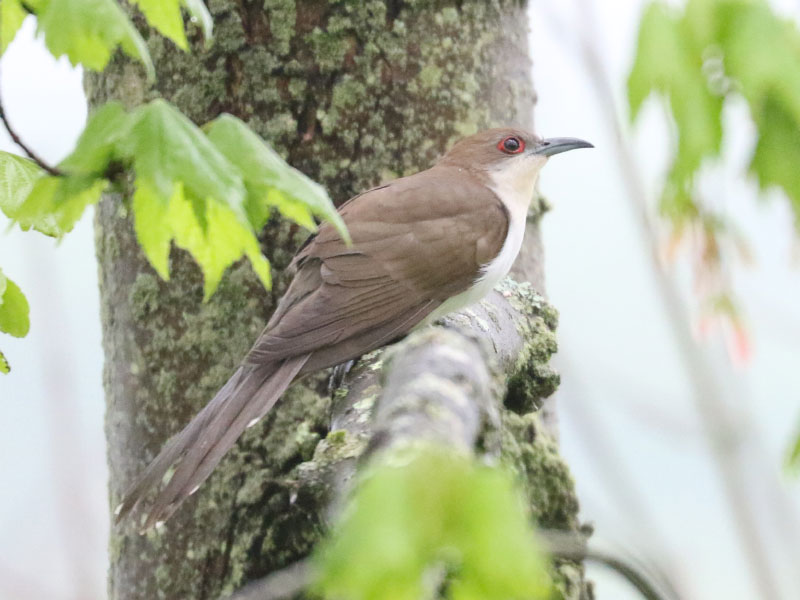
column 352, row 93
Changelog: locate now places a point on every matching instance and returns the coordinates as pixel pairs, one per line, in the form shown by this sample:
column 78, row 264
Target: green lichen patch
column 529, row 451
column 533, row 379
column 534, row 455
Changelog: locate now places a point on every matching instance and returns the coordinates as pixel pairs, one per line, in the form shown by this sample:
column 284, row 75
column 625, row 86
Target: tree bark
column 352, row 93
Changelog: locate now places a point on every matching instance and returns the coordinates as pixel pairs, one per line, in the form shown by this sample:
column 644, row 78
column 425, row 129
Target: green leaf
column 152, row 230
column 270, row 180
column 762, row 53
column 167, row 147
column 777, row 154
column 428, row 508
column 14, row 314
column 215, row 244
column 98, row 145
column 793, row 458
column 669, row 60
column 13, row 309
column 11, row 17
column 88, row 31
column 187, row 191
column 165, row 16
column 17, row 178
column 17, row 175
column 60, row 200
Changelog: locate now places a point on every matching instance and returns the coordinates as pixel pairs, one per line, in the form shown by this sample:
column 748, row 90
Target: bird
column 423, row 246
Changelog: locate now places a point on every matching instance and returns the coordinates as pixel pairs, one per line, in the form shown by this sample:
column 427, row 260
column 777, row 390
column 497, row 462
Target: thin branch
column 634, row 577
column 286, row 583
column 574, row 547
column 18, row 141
column 295, row 578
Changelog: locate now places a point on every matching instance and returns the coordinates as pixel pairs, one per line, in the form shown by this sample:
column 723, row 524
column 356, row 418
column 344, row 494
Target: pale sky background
column 629, row 427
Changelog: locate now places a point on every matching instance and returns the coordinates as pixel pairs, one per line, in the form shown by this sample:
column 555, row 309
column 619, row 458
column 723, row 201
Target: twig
column 287, row 582
column 574, row 547
column 31, row 154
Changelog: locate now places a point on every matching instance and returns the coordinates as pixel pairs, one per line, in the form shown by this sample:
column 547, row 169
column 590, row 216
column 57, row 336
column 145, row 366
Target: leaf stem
column 31, row 154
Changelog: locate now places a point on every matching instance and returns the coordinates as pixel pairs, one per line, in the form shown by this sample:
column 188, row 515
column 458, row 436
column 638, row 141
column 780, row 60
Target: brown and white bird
column 422, row 246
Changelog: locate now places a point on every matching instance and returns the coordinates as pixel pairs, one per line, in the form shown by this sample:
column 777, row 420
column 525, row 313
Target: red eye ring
column 511, row 145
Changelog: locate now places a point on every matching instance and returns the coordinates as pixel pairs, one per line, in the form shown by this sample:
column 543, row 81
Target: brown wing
column 416, row 242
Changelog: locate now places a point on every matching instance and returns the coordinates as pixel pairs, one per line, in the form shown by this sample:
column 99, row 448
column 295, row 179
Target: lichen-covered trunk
column 352, row 93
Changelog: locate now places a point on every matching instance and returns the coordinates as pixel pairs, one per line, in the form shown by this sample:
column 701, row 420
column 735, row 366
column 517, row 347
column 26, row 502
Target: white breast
column 515, row 186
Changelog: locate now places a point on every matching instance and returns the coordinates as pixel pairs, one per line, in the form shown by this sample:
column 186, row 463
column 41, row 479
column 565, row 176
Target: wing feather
column 416, row 242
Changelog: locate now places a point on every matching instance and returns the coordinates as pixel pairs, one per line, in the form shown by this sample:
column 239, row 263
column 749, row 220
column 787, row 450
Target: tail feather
column 172, row 450
column 249, row 394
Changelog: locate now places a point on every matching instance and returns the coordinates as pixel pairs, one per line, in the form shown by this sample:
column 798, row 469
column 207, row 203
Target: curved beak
column 551, row 146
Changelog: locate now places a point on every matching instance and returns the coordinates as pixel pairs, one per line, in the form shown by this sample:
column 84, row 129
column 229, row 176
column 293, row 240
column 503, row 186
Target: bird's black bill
column 551, row 146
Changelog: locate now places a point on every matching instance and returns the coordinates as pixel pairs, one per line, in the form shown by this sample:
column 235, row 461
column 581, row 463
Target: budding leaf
column 60, row 199
column 269, row 180
column 88, row 31
column 17, row 178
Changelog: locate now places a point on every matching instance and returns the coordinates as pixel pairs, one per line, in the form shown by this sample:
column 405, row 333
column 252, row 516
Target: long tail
column 247, row 396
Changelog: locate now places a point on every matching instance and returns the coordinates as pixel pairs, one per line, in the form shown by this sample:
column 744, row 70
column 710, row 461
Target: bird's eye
column 511, row 145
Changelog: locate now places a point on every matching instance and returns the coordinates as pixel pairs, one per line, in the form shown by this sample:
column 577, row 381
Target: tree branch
column 448, row 384
column 31, row 154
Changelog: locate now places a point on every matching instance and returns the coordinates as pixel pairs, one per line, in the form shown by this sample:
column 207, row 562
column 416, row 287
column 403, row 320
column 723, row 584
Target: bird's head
column 508, row 156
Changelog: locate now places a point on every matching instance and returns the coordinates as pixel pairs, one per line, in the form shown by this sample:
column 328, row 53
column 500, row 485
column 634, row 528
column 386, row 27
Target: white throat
column 515, row 185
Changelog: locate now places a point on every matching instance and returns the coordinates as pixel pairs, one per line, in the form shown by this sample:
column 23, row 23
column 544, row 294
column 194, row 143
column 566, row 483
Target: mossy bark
column 351, row 93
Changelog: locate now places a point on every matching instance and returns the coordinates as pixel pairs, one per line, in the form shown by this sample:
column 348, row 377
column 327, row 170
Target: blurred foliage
column 697, row 57
column 13, row 314
column 426, row 519
column 793, row 459
column 712, row 50
column 88, row 32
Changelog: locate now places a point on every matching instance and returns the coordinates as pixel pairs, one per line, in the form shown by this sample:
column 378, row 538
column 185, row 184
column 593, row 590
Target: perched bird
column 422, row 246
